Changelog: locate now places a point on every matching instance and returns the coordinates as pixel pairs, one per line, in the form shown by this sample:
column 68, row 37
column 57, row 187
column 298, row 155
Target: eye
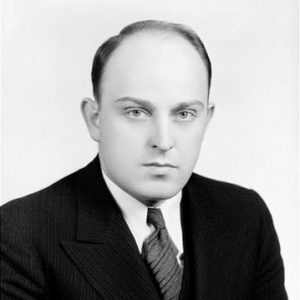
column 185, row 115
column 137, row 113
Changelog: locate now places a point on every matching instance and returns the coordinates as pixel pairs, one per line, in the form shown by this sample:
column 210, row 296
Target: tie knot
column 155, row 217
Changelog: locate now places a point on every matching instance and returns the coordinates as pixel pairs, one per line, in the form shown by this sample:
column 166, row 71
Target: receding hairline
column 155, row 27
column 144, row 36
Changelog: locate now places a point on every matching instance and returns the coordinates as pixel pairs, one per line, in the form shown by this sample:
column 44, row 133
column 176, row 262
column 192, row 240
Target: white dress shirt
column 135, row 215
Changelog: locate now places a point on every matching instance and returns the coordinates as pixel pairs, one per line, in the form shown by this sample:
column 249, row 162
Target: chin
column 159, row 194
column 164, row 189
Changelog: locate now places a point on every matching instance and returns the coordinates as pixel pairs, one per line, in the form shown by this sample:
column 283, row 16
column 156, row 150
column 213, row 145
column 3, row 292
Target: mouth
column 160, row 165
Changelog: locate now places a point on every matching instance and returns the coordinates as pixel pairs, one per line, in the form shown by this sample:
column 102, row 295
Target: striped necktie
column 160, row 255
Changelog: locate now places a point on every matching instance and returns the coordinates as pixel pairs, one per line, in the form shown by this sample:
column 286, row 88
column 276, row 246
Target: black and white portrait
column 149, row 150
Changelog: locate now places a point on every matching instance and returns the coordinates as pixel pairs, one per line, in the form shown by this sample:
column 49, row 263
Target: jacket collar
column 214, row 246
column 96, row 208
column 106, row 253
column 104, row 250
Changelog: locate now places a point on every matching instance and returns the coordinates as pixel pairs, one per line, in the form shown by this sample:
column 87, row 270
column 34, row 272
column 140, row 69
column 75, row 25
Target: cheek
column 189, row 146
column 191, row 138
column 120, row 139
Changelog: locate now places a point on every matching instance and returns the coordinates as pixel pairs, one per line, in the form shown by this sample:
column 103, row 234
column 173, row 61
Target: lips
column 159, row 165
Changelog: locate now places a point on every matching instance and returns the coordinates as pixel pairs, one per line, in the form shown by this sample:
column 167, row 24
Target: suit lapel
column 105, row 251
column 214, row 248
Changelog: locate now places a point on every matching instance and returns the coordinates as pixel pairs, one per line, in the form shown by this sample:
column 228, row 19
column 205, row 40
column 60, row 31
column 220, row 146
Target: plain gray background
column 47, row 51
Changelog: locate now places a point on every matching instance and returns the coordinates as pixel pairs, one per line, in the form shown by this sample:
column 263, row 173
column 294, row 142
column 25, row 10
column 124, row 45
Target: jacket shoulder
column 238, row 204
column 41, row 210
column 244, row 213
column 62, row 186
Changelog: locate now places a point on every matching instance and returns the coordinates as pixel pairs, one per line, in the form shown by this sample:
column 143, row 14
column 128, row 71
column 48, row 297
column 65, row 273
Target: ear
column 210, row 111
column 90, row 112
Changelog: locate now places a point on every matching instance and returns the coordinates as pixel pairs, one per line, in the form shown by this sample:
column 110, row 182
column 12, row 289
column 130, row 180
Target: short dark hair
column 109, row 46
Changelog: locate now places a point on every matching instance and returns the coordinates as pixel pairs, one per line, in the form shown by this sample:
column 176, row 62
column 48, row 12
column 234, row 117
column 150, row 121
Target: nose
column 161, row 138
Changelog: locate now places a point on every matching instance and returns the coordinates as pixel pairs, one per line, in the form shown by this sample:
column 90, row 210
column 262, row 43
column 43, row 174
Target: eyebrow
column 147, row 103
column 135, row 100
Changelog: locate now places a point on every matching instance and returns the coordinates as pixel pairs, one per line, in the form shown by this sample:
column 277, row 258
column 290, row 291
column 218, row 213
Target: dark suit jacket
column 70, row 241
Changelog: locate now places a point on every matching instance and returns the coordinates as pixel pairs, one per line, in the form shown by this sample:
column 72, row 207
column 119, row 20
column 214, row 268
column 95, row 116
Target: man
column 136, row 223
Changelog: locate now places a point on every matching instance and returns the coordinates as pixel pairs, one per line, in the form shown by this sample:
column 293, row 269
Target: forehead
column 149, row 62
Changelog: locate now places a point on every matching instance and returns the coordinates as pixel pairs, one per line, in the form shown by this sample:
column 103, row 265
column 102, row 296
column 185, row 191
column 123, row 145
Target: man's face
column 153, row 115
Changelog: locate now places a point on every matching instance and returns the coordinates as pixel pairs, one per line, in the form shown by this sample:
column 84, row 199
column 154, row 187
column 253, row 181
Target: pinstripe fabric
column 160, row 254
column 71, row 242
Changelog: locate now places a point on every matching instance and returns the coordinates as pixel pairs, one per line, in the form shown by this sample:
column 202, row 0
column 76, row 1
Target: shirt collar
column 135, row 212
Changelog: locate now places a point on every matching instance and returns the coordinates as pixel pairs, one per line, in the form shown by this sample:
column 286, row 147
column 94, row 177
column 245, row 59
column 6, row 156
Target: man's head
column 151, row 108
